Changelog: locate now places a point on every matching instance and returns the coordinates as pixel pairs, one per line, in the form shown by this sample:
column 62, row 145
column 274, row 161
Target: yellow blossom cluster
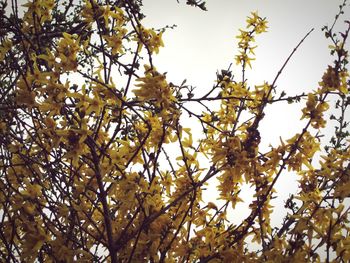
column 67, row 52
column 38, row 11
column 150, row 39
column 255, row 25
column 154, row 87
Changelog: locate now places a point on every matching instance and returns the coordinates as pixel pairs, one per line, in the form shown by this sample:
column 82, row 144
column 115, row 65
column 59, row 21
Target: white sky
column 204, row 42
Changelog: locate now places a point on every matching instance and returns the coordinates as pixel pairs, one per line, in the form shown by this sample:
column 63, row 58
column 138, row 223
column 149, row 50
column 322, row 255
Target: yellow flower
column 154, row 87
column 67, row 50
column 148, row 37
column 115, row 42
column 314, row 110
column 5, row 46
column 24, row 93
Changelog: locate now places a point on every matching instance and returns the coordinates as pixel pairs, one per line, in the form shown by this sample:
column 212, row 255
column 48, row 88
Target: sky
column 204, row 42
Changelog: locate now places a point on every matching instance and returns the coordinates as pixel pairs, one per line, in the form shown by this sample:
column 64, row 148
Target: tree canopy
column 97, row 165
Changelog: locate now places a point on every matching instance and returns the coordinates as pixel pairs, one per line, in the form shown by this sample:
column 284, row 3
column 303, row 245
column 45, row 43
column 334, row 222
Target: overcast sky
column 204, row 42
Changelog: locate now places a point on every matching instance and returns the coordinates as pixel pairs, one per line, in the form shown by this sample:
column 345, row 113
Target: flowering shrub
column 86, row 171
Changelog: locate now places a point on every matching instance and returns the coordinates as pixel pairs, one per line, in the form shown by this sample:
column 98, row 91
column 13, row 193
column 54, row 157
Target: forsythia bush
column 87, row 171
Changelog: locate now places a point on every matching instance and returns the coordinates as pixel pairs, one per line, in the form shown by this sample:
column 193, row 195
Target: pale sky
column 204, row 42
